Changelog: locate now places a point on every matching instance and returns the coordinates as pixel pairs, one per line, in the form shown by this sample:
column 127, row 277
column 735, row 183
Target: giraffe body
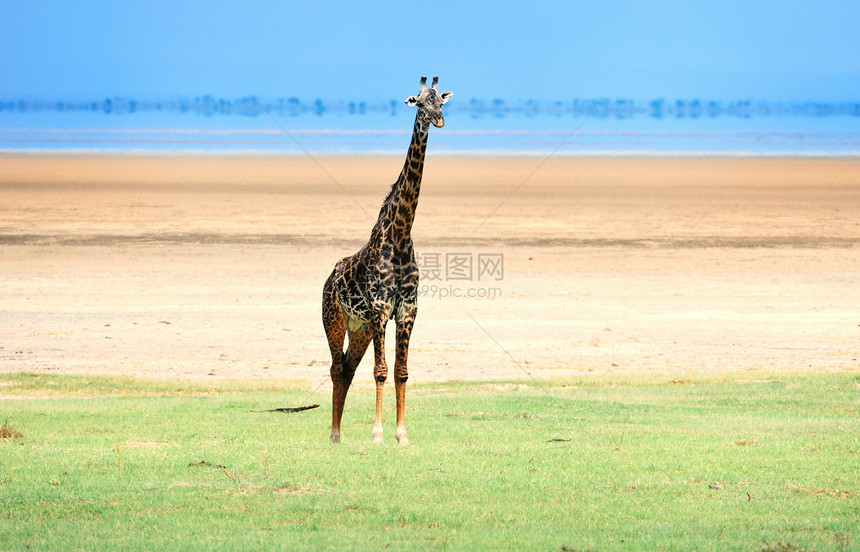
column 380, row 281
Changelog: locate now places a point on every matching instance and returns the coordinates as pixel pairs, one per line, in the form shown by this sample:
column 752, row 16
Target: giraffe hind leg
column 335, row 324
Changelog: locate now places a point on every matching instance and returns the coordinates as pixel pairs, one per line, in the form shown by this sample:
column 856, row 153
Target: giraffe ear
column 446, row 96
column 411, row 100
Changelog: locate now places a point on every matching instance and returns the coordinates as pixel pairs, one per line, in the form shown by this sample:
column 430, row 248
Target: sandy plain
column 212, row 267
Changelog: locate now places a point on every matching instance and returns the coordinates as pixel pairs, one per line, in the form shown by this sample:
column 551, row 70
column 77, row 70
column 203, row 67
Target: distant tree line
column 253, row 106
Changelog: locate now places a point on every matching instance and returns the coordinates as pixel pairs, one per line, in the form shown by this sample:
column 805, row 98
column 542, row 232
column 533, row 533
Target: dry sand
column 212, row 267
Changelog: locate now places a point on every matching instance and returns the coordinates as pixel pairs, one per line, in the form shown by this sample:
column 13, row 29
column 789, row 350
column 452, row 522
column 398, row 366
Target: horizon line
column 203, row 152
column 252, row 106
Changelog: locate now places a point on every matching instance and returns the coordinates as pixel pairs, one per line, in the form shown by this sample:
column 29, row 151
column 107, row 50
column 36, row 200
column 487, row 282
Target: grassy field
column 601, row 463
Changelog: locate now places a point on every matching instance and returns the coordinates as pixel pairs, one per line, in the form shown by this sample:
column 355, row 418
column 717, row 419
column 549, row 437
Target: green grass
column 623, row 463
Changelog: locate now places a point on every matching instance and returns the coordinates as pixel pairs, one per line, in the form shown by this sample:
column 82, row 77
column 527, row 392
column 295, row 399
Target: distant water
column 575, row 127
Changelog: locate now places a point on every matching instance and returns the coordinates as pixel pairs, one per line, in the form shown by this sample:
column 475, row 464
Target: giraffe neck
column 398, row 212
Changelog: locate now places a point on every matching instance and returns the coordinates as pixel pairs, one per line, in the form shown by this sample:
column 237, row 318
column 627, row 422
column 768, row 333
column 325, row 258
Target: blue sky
column 778, row 51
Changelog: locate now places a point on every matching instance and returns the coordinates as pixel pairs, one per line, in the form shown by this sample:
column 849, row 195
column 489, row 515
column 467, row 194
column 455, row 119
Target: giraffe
column 380, row 281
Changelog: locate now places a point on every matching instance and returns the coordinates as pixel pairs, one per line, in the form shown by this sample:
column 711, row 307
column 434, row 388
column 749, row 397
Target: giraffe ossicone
column 380, row 281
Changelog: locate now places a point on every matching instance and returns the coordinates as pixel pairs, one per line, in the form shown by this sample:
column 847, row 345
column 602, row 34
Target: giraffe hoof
column 377, row 438
column 401, row 436
column 335, row 437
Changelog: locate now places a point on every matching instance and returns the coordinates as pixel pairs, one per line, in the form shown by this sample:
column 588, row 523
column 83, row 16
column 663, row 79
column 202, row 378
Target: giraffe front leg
column 401, row 373
column 380, row 371
column 400, row 431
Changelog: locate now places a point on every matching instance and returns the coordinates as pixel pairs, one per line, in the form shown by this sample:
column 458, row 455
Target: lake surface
column 573, row 127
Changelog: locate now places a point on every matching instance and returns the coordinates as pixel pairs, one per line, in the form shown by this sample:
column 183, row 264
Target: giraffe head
column 430, row 101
